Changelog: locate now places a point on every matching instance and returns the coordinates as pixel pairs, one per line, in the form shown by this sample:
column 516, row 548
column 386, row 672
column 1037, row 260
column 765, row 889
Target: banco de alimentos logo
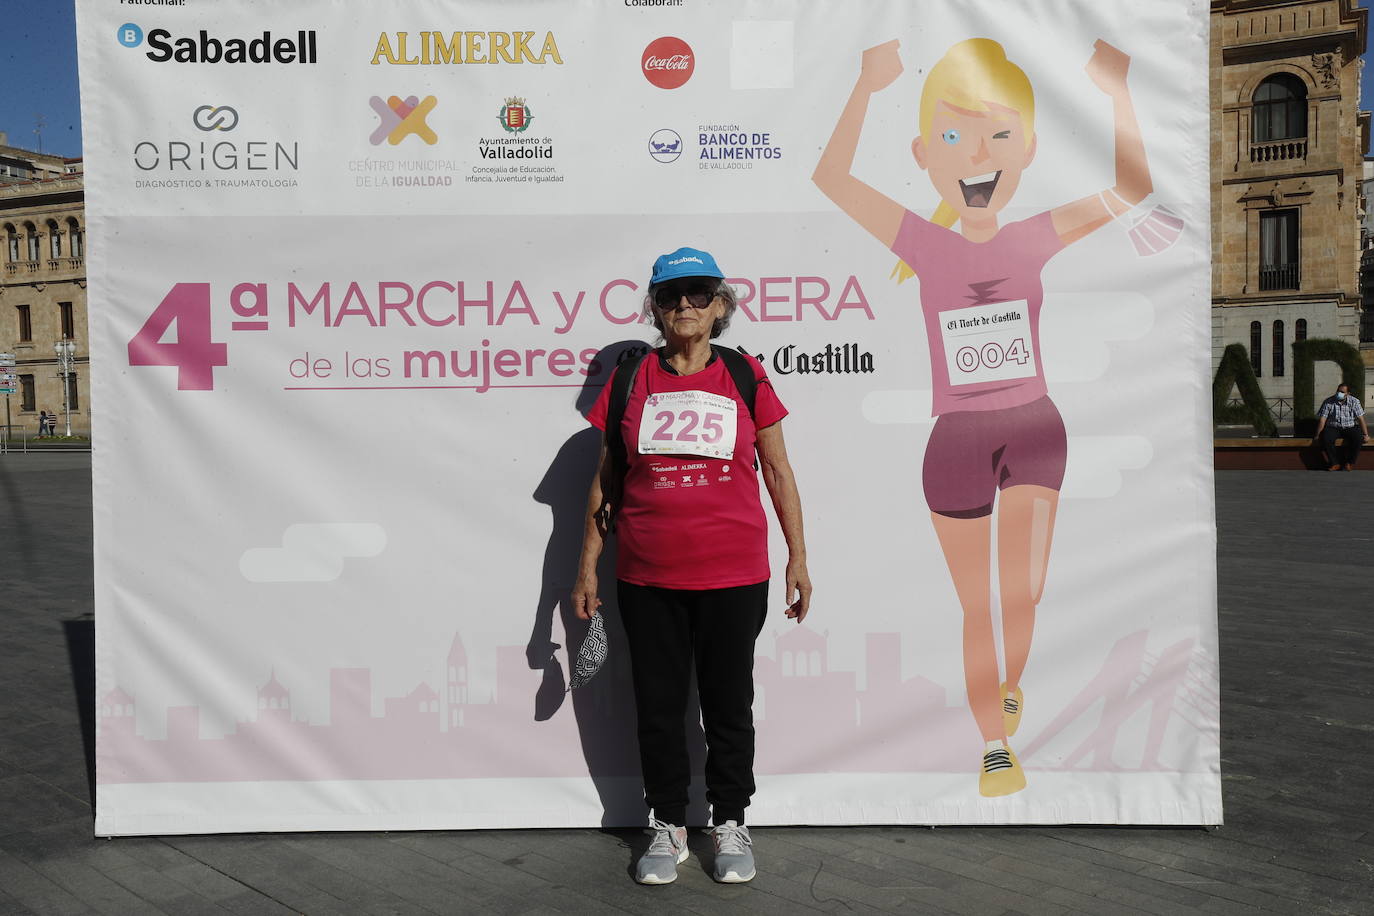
column 399, row 118
column 665, row 145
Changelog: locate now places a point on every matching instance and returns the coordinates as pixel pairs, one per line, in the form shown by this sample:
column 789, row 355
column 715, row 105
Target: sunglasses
column 698, row 295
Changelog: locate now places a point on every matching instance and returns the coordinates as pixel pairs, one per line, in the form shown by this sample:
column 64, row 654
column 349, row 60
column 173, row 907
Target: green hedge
column 1235, row 371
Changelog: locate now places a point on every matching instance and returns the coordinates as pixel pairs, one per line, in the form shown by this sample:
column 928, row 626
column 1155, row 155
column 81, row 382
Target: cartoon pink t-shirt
column 691, row 516
column 981, row 302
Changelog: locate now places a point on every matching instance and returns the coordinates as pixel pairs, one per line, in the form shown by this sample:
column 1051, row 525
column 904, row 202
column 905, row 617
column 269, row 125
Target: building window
column 25, row 324
column 32, row 239
column 1279, row 250
column 26, row 398
column 1256, row 347
column 68, row 325
column 54, row 240
column 76, row 246
column 12, row 244
column 1280, row 109
column 72, row 402
column 1300, row 330
column 1278, row 349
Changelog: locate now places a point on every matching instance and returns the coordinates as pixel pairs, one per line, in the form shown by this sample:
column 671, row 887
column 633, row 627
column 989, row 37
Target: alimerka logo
column 668, row 62
column 430, row 48
column 205, row 48
column 399, row 118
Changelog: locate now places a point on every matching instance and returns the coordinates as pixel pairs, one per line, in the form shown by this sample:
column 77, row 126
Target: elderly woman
column 679, row 481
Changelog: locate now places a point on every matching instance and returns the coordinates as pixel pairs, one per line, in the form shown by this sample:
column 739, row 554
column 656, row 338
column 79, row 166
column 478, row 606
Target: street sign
column 7, row 359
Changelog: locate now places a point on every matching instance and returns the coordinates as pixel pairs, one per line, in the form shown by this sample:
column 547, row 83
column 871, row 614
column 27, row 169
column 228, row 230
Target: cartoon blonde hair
column 972, row 74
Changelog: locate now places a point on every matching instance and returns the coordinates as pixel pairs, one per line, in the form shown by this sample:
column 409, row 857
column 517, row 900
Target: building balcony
column 17, row 269
column 1279, row 276
column 1279, row 150
column 22, row 268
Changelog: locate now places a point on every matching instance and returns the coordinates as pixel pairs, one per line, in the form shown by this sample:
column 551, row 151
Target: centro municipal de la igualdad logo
column 399, row 118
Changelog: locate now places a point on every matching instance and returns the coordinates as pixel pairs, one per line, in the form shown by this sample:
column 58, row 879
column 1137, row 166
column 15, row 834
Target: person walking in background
column 1342, row 417
column 44, row 423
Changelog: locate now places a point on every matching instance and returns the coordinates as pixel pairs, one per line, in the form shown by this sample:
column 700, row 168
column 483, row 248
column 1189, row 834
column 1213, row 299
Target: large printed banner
column 358, row 271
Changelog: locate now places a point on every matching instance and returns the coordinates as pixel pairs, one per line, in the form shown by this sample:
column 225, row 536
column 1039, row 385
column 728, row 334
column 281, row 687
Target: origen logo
column 668, row 62
column 665, row 145
column 212, row 117
column 402, row 117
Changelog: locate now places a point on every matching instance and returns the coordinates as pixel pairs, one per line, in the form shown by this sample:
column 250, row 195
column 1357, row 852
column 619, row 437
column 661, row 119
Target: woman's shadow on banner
column 604, row 707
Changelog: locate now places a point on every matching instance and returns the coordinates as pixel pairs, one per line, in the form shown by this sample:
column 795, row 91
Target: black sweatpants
column 667, row 629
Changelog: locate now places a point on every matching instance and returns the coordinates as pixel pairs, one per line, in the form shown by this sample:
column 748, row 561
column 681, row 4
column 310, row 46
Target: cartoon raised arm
column 1073, row 221
column 870, row 208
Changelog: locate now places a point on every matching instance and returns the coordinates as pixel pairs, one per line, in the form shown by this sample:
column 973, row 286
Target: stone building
column 1367, row 271
column 43, row 289
column 1287, row 150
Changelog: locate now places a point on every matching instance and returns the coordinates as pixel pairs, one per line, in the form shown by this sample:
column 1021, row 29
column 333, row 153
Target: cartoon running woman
column 997, row 431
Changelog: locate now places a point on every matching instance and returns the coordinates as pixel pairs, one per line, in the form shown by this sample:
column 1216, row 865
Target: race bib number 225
column 688, row 423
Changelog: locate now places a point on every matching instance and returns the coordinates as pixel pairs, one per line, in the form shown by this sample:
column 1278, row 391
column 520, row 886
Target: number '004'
column 194, row 354
column 991, row 356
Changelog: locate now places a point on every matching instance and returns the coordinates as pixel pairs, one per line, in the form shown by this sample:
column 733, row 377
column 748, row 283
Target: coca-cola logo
column 668, row 62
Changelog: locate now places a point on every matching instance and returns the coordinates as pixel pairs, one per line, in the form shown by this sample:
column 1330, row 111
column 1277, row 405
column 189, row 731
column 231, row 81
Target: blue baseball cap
column 685, row 262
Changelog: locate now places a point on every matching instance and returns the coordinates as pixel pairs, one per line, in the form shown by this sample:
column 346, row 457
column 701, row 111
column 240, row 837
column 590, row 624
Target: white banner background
column 328, row 599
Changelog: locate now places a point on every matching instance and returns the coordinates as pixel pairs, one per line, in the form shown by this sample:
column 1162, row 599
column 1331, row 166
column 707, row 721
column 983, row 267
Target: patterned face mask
column 592, row 655
column 1152, row 227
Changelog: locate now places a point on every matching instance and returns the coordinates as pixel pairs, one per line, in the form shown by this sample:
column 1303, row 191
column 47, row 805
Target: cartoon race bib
column 988, row 343
column 688, row 423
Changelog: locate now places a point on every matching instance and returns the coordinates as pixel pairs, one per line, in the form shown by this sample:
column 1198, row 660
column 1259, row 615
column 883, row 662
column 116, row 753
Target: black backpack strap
column 743, row 376
column 622, row 382
column 741, row 372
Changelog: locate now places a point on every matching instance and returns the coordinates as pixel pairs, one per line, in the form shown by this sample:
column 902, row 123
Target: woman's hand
column 798, row 590
column 584, row 600
column 1107, row 68
column 880, row 65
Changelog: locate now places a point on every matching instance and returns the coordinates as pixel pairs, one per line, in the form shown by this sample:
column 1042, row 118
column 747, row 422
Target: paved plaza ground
column 1297, row 689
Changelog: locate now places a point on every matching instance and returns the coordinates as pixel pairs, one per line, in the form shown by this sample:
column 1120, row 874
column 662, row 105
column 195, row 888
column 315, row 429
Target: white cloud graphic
column 312, row 552
column 1076, row 330
column 897, row 405
column 1095, row 464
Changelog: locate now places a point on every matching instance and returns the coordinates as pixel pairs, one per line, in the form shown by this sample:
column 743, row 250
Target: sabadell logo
column 668, row 62
column 205, row 48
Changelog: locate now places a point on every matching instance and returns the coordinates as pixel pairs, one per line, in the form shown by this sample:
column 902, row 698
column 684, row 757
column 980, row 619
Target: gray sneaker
column 734, row 857
column 668, row 848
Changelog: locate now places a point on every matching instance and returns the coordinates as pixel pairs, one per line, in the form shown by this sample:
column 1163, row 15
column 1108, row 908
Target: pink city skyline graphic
column 891, row 725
